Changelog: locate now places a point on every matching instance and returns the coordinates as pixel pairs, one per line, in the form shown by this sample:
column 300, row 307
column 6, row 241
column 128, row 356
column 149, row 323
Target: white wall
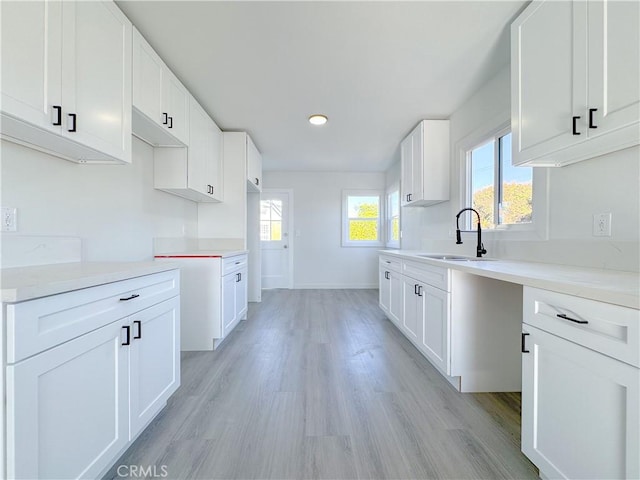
column 319, row 260
column 114, row 209
column 576, row 192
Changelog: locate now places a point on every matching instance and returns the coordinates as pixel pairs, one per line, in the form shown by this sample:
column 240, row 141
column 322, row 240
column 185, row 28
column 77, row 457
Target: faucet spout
column 480, row 250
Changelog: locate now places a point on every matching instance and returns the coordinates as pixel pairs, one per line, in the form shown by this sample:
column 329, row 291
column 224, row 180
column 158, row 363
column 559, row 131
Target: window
column 270, row 220
column 361, row 218
column 501, row 193
column 393, row 218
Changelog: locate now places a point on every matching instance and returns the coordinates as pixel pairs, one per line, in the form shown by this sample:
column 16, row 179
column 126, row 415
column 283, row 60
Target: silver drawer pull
column 564, row 317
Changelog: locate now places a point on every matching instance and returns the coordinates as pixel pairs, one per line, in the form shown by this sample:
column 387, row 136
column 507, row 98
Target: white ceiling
column 374, row 68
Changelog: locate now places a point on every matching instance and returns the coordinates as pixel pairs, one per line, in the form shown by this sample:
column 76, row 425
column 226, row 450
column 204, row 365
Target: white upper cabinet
column 66, row 79
column 613, row 44
column 32, row 62
column 176, row 108
column 425, row 164
column 205, row 154
column 574, row 81
column 194, row 172
column 160, row 101
column 254, row 167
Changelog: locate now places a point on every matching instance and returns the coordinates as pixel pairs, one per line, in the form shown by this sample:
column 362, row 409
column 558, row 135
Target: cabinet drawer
column 435, row 276
column 391, row 263
column 609, row 329
column 40, row 324
column 232, row 264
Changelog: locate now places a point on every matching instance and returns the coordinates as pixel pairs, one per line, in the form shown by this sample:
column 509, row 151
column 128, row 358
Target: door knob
column 286, row 246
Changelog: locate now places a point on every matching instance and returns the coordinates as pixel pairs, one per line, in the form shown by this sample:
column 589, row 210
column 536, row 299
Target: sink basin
column 443, row 257
column 455, row 258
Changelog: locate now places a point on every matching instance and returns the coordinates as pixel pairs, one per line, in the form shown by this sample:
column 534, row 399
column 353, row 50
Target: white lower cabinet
column 580, row 406
column 580, row 410
column 417, row 307
column 72, row 409
column 234, row 298
column 467, row 326
column 434, row 341
column 427, row 317
column 391, row 294
column 412, row 308
column 154, row 361
column 213, row 297
column 67, row 408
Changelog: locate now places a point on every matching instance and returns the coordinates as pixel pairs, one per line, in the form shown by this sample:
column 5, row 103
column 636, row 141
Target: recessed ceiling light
column 317, row 119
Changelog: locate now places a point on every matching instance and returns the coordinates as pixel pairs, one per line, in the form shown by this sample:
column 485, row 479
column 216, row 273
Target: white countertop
column 202, row 253
column 610, row 286
column 26, row 283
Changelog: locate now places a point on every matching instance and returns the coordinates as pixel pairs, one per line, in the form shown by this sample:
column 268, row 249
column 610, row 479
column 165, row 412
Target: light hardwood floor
column 319, row 384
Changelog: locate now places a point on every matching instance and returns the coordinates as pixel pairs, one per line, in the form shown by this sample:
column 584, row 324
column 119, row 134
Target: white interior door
column 275, row 240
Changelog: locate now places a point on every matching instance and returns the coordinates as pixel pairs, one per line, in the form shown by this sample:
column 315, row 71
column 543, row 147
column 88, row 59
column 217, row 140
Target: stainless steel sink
column 443, row 257
column 454, row 258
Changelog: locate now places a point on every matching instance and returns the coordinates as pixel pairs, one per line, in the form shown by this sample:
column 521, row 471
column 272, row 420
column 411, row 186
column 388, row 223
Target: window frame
column 391, row 243
column 270, row 221
column 346, row 242
column 498, row 183
column 538, row 228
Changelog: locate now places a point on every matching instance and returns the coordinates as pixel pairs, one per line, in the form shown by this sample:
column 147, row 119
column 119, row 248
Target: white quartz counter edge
column 202, row 253
column 26, row 283
column 610, row 286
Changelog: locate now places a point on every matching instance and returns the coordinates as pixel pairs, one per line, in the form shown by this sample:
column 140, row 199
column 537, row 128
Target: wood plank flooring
column 318, row 384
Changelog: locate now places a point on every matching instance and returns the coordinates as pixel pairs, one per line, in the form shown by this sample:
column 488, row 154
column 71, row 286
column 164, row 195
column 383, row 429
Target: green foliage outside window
column 395, row 228
column 361, row 229
column 516, row 205
column 364, row 230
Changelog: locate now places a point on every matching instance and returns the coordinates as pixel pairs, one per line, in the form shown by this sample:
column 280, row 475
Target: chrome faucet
column 480, row 247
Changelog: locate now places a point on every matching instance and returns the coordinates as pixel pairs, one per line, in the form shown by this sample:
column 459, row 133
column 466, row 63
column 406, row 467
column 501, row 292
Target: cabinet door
column 436, row 330
column 176, row 105
column 148, row 74
column 228, row 302
column 214, row 166
column 614, row 72
column 254, row 166
column 154, row 360
column 67, row 408
column 241, row 294
column 384, row 289
column 96, row 77
column 411, row 302
column 417, row 170
column 548, row 78
column 396, row 298
column 200, row 149
column 580, row 416
column 406, row 169
column 31, row 61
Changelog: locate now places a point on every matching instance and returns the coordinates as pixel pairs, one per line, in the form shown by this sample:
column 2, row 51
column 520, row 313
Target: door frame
column 289, row 192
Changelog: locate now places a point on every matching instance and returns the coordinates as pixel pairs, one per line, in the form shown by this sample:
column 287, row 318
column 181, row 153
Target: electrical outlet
column 9, row 219
column 602, row 224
